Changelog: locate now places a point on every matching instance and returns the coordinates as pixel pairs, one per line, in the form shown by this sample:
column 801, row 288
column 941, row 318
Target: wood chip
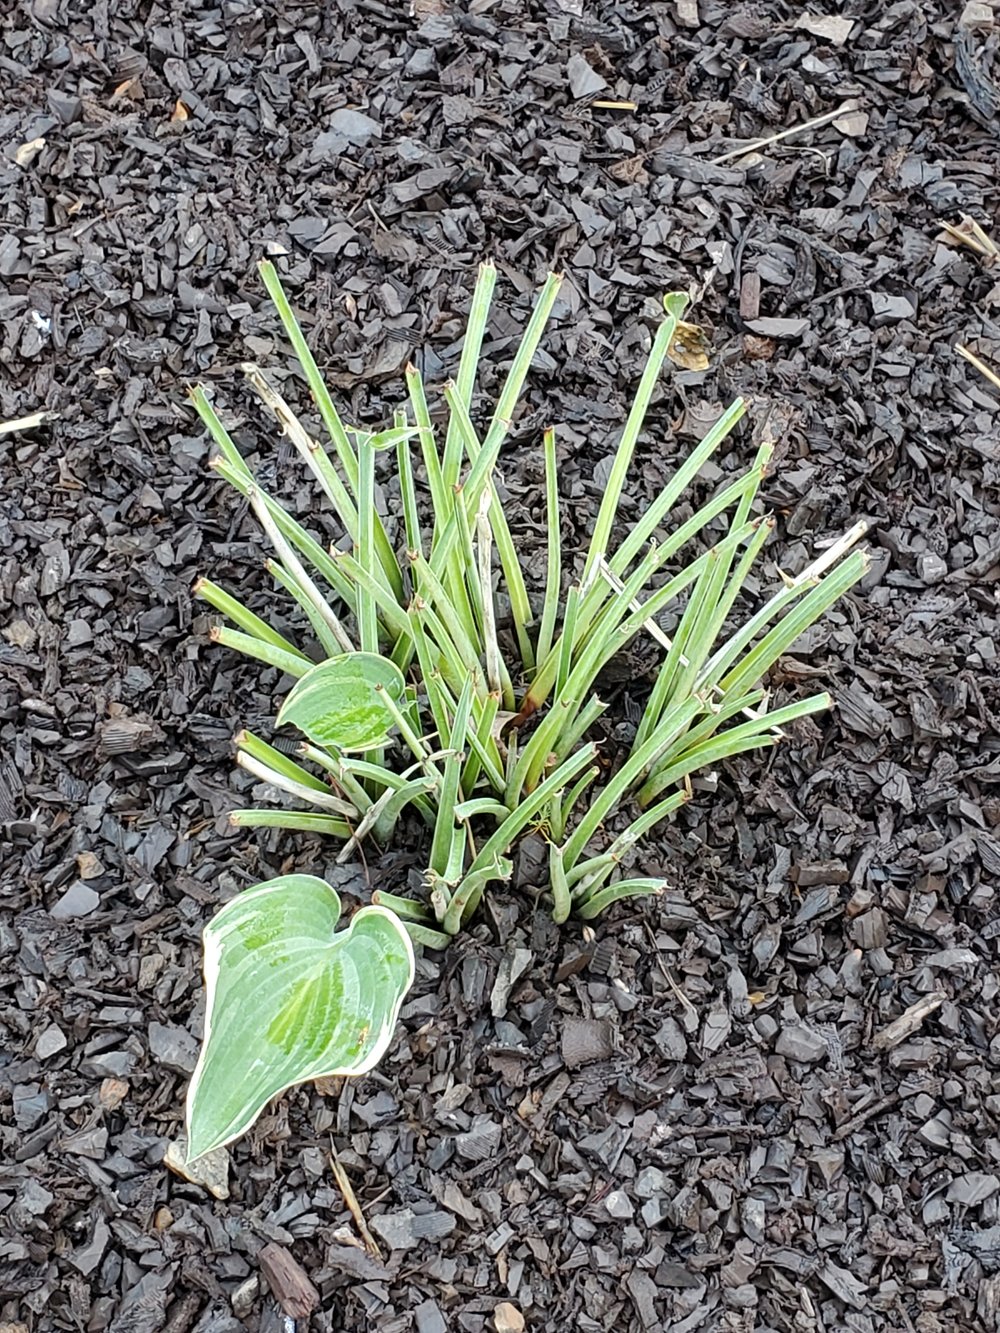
column 289, row 1283
column 908, row 1021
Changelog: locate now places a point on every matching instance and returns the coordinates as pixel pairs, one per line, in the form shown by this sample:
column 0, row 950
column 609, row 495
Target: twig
column 981, row 366
column 665, row 971
column 908, row 1021
column 375, row 216
column 856, row 1121
column 27, row 423
column 852, row 104
column 350, row 1198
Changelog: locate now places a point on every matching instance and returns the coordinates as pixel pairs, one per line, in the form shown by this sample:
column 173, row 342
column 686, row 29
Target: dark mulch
column 580, row 1145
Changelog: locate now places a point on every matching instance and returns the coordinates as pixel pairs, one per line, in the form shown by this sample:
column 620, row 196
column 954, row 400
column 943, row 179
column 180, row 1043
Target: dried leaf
column 689, row 347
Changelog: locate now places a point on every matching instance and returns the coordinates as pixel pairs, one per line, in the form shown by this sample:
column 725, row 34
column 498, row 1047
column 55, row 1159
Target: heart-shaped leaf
column 341, row 702
column 288, row 1000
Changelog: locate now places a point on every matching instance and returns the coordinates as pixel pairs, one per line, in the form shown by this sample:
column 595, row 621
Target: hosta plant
column 435, row 686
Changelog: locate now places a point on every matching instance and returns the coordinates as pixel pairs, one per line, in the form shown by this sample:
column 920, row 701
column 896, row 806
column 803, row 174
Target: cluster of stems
column 484, row 747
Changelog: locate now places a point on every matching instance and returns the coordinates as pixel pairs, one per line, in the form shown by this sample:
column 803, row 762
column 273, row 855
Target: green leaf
column 342, row 702
column 288, row 1000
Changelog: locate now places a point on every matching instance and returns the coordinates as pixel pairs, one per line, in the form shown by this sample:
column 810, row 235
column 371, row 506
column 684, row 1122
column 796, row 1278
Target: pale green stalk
column 764, row 654
column 738, row 578
column 291, row 529
column 240, row 615
column 462, row 635
column 443, row 555
column 537, row 749
column 478, row 806
column 317, row 385
column 717, row 715
column 407, row 489
column 498, row 429
column 561, row 901
column 330, row 645
column 470, row 497
column 442, row 500
column 611, row 499
column 491, row 646
column 458, row 395
column 468, row 602
column 584, row 720
column 606, row 639
column 662, row 597
column 327, row 410
column 674, row 723
column 679, row 482
column 205, row 408
column 297, row 821
column 293, row 664
column 430, row 677
column 367, row 612
column 465, row 381
column 484, row 755
column 563, row 810
column 465, row 899
column 408, row 909
column 561, row 657
column 393, row 616
column 577, row 625
column 351, row 772
column 417, row 747
column 453, row 664
column 315, row 456
column 518, row 373
column 625, row 888
column 294, row 566
column 330, row 415
column 300, row 790
column 853, row 568
column 596, row 870
column 450, row 792
column 381, row 817
column 553, row 569
column 279, row 761
column 693, row 613
column 479, row 737
column 510, row 759
column 425, row 936
column 503, row 837
column 732, row 742
column 342, row 776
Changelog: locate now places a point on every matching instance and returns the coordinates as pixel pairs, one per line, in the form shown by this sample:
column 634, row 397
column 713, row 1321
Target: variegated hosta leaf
column 340, row 703
column 289, row 1000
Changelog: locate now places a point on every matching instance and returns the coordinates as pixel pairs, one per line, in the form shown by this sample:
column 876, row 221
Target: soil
column 767, row 1102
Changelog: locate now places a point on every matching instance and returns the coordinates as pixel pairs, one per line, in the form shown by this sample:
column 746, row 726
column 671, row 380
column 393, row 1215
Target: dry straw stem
column 32, row 422
column 981, row 366
column 970, row 234
column 852, row 104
